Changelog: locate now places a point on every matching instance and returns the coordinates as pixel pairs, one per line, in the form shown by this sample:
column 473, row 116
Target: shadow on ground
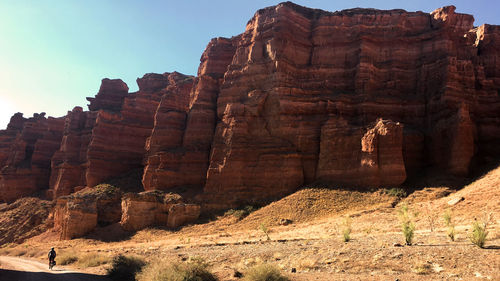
column 14, row 275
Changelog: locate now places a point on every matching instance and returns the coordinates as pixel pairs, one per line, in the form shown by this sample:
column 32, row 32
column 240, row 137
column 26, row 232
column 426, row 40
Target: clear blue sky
column 53, row 54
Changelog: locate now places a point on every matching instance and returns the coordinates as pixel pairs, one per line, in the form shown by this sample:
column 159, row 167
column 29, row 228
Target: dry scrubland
column 305, row 232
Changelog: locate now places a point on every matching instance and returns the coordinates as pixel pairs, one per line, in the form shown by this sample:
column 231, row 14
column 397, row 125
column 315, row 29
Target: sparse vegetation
column 407, row 224
column 346, row 228
column 99, row 191
column 92, row 260
column 264, row 229
column 422, row 268
column 18, row 252
column 240, row 213
column 125, row 267
column 480, row 232
column 194, row 270
column 66, row 258
column 396, row 192
column 431, row 217
column 449, row 224
column 264, row 272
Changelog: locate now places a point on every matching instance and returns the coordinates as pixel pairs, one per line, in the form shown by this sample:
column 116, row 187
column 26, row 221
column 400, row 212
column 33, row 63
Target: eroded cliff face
column 109, row 140
column 26, row 149
column 360, row 97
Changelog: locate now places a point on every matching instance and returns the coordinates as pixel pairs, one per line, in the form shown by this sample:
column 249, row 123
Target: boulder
column 74, row 217
column 156, row 208
column 78, row 214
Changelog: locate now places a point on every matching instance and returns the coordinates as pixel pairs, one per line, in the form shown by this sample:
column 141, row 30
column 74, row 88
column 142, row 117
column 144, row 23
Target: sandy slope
column 12, row 269
column 311, row 244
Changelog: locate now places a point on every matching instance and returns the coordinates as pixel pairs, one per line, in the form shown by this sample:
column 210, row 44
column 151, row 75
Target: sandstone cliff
column 302, row 99
column 26, row 149
column 359, row 97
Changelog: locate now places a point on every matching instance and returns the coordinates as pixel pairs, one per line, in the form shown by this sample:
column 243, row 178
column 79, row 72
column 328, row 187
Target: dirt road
column 17, row 269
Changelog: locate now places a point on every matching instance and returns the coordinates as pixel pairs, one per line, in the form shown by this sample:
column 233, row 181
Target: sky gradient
column 53, row 54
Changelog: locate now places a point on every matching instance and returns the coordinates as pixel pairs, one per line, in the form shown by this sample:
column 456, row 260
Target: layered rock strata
column 69, row 163
column 78, row 214
column 356, row 98
column 26, row 151
column 155, row 208
column 109, row 140
column 301, row 97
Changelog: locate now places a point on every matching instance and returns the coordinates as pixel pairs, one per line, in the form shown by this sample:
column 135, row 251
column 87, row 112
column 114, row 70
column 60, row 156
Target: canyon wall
column 26, row 149
column 355, row 98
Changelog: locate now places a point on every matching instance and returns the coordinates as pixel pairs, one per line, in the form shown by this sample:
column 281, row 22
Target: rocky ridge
column 355, row 98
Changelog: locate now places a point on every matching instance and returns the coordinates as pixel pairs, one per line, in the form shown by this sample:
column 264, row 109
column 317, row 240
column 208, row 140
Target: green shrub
column 193, row 270
column 264, row 272
column 125, row 267
column 407, row 224
column 479, row 233
column 396, row 191
column 346, row 229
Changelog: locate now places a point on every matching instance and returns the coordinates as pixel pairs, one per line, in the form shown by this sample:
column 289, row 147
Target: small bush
column 264, row 229
column 264, row 272
column 447, row 217
column 193, row 270
column 66, row 258
column 240, row 213
column 396, row 192
column 93, row 260
column 125, row 267
column 346, row 229
column 479, row 232
column 407, row 224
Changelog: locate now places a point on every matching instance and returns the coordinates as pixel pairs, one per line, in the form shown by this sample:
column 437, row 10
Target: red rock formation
column 179, row 148
column 74, row 218
column 80, row 213
column 155, row 208
column 70, row 162
column 361, row 157
column 9, row 135
column 110, row 96
column 118, row 138
column 359, row 97
column 304, row 86
column 27, row 169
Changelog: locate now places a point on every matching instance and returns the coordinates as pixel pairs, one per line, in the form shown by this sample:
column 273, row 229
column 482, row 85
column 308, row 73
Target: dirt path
column 17, row 269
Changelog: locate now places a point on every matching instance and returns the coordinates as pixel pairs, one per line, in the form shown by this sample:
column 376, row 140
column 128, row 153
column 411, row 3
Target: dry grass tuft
column 164, row 270
column 93, row 260
column 422, row 268
column 18, row 252
column 65, row 258
column 264, row 272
